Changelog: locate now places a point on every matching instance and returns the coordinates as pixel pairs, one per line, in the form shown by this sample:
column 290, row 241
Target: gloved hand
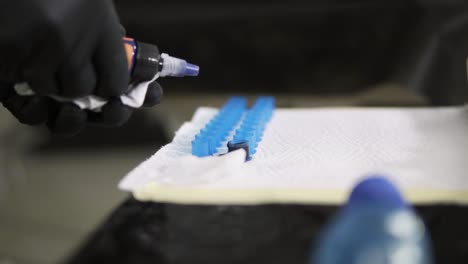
column 71, row 48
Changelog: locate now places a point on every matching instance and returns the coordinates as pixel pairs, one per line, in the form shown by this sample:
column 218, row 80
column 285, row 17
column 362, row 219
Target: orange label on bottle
column 129, row 45
column 129, row 52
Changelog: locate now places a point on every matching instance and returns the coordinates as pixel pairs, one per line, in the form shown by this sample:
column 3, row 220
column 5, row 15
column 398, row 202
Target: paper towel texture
column 316, row 156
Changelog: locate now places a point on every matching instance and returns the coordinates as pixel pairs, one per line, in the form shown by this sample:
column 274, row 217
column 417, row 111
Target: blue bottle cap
column 378, row 191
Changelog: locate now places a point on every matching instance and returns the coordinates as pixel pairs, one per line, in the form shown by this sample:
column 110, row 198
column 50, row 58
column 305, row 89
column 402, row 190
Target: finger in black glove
column 30, row 110
column 153, row 94
column 66, row 119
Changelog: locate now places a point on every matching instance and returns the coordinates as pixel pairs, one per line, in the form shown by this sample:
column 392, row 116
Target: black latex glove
column 71, row 48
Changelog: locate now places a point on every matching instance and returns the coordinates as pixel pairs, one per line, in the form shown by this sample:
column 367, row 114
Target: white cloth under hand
column 134, row 98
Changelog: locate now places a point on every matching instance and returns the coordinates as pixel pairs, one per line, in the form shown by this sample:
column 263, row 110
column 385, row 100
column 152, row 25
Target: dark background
column 285, row 47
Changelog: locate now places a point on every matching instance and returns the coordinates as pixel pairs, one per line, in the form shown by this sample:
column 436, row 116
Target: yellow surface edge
column 193, row 195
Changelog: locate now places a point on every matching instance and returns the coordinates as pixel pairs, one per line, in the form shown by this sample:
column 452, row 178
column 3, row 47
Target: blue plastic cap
column 191, row 70
column 376, row 190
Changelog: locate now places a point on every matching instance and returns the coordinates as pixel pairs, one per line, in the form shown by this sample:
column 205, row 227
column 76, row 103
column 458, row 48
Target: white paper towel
column 317, row 155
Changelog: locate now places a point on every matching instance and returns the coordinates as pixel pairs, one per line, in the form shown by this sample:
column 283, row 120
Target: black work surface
column 145, row 232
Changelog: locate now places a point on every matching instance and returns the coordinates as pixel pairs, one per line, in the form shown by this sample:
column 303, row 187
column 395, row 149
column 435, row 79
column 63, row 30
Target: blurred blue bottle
column 376, row 226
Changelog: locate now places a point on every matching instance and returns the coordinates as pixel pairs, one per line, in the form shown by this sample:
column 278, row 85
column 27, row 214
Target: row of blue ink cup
column 210, row 138
column 254, row 123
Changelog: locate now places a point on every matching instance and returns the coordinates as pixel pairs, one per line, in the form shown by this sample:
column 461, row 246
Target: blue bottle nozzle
column 176, row 67
column 191, row 70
